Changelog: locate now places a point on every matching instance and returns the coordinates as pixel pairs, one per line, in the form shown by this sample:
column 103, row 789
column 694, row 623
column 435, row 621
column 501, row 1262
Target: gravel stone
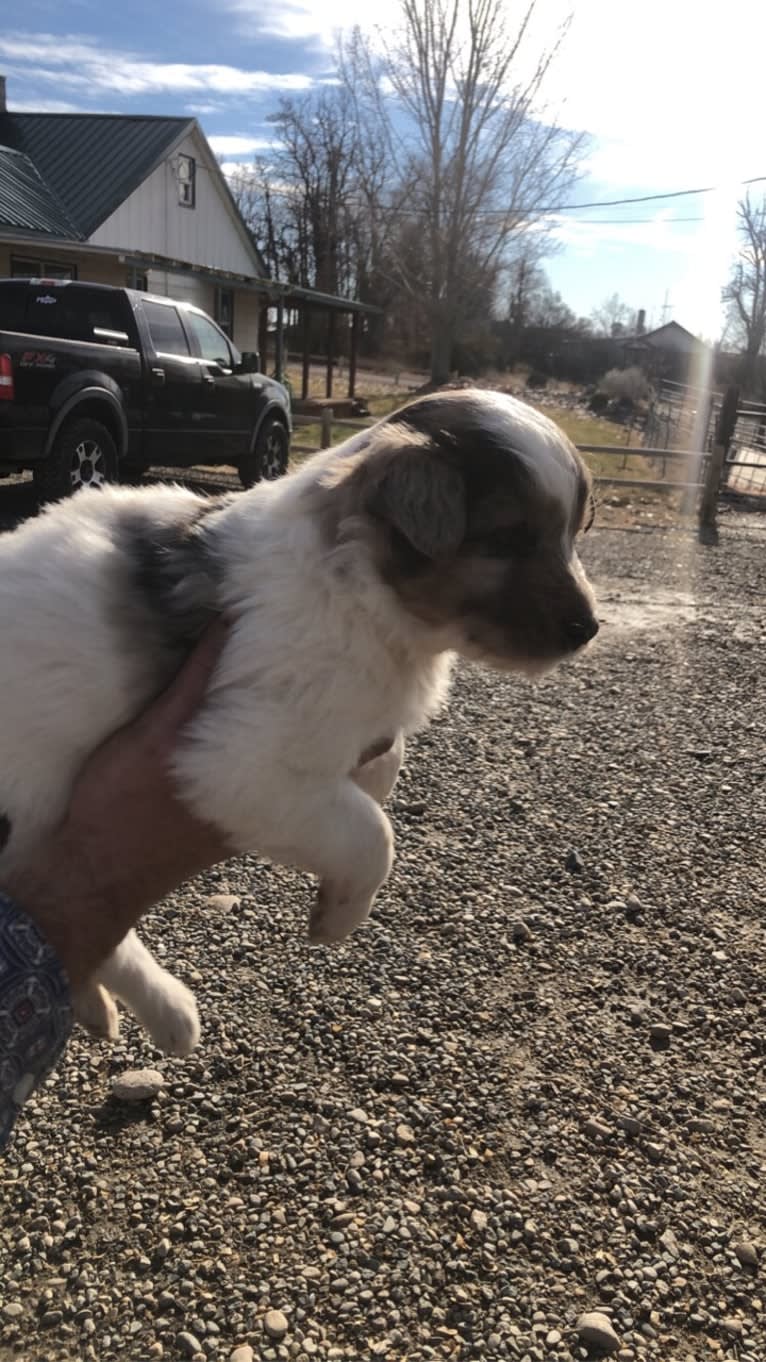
column 747, row 1253
column 188, row 1344
column 137, row 1085
column 243, row 1353
column 660, row 1034
column 224, row 903
column 595, row 1331
column 275, row 1324
column 597, row 1130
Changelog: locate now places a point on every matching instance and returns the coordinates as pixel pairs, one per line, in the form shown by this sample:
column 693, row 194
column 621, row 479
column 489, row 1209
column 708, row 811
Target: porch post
column 353, row 354
column 263, row 333
column 305, row 378
column 330, row 354
column 280, row 355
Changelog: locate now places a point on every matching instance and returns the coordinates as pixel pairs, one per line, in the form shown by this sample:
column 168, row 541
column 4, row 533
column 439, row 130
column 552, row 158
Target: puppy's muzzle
column 579, row 631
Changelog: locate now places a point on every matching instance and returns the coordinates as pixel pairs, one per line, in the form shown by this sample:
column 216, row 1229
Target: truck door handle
column 206, row 377
column 158, row 377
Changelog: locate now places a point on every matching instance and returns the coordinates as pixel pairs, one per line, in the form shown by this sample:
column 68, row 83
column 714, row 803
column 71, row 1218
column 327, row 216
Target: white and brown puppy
column 449, row 527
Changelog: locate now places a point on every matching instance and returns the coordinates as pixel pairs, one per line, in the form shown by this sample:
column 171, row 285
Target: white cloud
column 79, row 63
column 236, row 145
column 46, row 106
column 658, row 233
column 671, row 90
column 300, row 20
column 203, row 110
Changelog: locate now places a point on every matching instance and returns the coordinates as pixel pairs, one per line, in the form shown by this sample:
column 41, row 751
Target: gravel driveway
column 533, row 1088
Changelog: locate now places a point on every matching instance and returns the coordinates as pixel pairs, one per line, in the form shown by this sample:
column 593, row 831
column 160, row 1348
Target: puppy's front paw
column 96, row 1010
column 335, row 915
column 170, row 1016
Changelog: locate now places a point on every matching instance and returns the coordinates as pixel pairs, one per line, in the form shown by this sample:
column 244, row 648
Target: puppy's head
column 472, row 502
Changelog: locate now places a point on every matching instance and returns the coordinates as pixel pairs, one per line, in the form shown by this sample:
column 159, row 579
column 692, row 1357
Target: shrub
column 629, row 384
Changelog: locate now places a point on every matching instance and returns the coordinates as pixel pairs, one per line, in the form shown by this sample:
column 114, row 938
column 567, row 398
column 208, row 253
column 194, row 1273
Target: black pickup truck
column 98, row 383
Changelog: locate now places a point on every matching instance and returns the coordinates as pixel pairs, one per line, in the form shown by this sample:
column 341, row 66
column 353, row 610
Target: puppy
column 449, row 527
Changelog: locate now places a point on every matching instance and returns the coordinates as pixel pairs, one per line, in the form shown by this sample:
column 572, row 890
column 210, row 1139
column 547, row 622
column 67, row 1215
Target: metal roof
column 27, row 202
column 92, row 162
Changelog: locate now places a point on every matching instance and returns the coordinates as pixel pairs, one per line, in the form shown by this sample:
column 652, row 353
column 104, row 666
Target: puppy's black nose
column 579, row 632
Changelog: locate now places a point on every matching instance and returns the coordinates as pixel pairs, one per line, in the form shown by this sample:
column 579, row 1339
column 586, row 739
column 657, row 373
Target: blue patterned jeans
column 35, row 1012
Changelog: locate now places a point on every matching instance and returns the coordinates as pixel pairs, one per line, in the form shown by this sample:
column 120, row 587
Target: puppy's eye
column 507, row 541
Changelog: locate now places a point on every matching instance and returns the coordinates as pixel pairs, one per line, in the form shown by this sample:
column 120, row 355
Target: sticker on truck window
column 46, row 298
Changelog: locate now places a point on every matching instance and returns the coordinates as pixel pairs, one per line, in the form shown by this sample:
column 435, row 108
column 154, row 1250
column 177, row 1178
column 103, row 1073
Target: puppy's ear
column 423, row 496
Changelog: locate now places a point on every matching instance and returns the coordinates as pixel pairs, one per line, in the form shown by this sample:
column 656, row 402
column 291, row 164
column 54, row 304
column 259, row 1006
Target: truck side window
column 79, row 314
column 213, row 345
column 165, row 329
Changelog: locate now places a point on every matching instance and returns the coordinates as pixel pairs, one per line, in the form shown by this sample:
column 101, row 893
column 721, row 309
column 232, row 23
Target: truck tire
column 84, row 454
column 268, row 459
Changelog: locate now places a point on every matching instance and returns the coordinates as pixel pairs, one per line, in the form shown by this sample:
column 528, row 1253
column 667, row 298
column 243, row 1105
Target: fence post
column 727, row 420
column 327, row 420
column 709, row 498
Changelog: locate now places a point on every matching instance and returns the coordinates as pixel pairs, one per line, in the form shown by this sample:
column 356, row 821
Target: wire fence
column 682, row 416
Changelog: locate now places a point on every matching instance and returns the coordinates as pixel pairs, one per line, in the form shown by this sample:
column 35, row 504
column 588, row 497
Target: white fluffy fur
column 312, row 674
column 269, row 759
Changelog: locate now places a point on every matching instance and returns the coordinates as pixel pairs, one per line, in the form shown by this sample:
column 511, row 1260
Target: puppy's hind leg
column 378, row 776
column 160, row 1002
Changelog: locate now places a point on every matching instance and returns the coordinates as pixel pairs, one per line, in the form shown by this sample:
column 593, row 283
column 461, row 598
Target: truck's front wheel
column 268, row 459
column 84, row 454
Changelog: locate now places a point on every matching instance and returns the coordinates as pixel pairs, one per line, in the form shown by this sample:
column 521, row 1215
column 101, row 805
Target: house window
column 224, row 310
column 138, row 279
column 186, row 173
column 25, row 267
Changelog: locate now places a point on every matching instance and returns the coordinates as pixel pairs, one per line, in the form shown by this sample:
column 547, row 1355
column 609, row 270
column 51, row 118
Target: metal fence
column 675, row 470
column 682, row 416
column 681, row 429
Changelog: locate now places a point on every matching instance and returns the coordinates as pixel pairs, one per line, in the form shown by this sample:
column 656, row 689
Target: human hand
column 127, row 838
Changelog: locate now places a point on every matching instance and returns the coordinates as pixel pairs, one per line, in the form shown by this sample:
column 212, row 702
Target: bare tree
column 300, row 202
column 745, row 292
column 472, row 158
column 612, row 317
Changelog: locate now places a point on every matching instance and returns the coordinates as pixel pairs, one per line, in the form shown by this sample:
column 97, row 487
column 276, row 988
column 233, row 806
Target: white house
column 138, row 201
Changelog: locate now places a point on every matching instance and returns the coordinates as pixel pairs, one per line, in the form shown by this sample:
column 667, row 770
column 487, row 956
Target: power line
column 618, row 222
column 643, row 198
column 565, row 207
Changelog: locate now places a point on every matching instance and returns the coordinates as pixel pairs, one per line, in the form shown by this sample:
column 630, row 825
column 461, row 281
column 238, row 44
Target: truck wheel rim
column 88, row 467
column 272, row 459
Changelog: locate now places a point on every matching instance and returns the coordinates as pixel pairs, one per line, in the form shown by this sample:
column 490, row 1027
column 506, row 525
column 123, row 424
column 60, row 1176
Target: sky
column 668, row 91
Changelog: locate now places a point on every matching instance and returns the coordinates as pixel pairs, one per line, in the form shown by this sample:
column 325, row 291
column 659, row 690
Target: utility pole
column 665, row 308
